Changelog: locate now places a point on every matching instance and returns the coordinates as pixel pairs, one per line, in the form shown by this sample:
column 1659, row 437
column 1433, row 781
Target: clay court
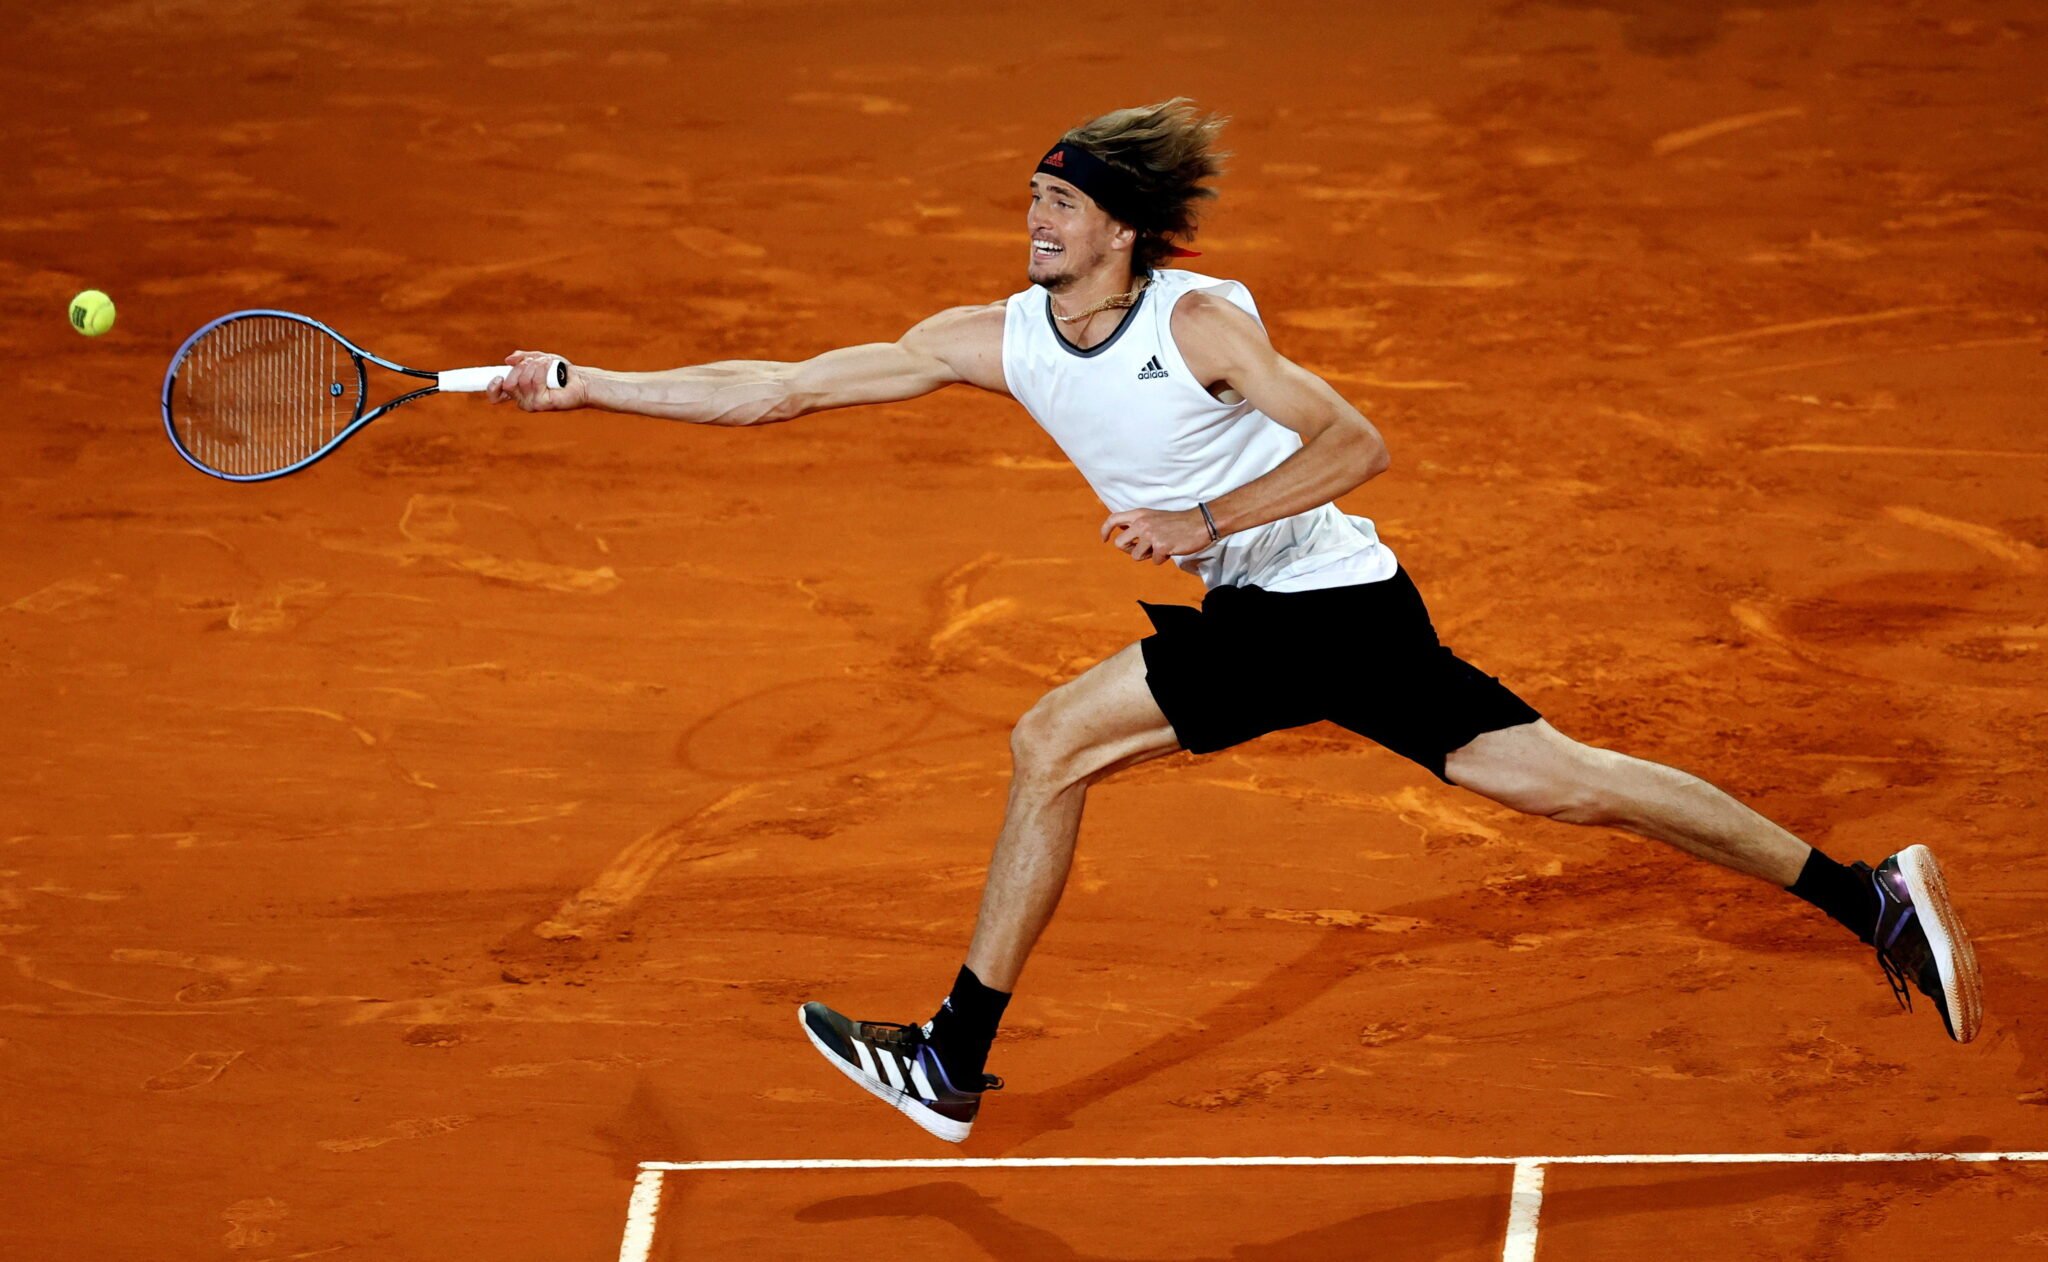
column 404, row 852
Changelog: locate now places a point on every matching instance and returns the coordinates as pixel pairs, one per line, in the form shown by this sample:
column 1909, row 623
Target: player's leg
column 1426, row 703
column 1902, row 908
column 1077, row 734
column 1539, row 770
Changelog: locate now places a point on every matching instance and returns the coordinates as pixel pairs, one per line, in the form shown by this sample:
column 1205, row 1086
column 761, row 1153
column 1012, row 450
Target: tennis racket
column 255, row 395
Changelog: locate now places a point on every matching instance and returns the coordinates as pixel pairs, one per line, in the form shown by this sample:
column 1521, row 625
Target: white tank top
column 1146, row 434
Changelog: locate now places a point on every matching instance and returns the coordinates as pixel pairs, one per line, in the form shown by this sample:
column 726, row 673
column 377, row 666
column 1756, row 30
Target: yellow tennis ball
column 92, row 313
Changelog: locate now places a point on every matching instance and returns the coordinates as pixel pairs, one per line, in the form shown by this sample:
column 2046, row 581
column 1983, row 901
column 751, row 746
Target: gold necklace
column 1111, row 303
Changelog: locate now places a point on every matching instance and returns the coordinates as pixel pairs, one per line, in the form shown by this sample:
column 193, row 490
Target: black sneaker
column 896, row 1064
column 1921, row 941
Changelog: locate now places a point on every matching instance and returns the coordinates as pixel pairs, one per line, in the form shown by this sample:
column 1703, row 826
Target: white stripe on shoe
column 889, row 1063
column 922, row 1082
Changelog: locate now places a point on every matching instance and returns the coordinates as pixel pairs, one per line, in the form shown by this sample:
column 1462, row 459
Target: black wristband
column 1208, row 521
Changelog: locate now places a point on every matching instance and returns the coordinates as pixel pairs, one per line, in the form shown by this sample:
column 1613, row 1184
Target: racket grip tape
column 478, row 380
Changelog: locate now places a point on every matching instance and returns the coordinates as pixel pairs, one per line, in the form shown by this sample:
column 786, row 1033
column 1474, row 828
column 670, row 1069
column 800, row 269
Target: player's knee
column 1565, row 799
column 1581, row 804
column 1584, row 789
column 1549, row 796
column 1042, row 749
column 1559, row 779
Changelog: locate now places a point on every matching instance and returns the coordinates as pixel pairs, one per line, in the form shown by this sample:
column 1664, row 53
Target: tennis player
column 1214, row 451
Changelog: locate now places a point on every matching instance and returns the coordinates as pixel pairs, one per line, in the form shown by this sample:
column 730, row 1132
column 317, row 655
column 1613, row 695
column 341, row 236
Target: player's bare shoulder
column 1207, row 314
column 1216, row 337
column 969, row 340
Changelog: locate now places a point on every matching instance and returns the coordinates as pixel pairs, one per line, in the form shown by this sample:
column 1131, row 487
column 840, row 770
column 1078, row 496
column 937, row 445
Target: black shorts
column 1365, row 657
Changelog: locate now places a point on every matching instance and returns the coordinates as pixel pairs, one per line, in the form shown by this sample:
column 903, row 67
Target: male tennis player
column 1212, row 449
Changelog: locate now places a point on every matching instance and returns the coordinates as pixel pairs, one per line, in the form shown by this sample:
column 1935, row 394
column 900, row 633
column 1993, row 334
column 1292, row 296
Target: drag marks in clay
column 196, row 1070
column 408, row 1128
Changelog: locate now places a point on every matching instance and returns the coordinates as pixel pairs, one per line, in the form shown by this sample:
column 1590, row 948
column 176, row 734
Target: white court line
column 639, row 1241
column 1581, row 1159
column 1525, row 1204
column 1525, row 1201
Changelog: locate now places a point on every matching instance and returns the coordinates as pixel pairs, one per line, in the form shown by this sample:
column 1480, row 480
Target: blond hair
column 1168, row 151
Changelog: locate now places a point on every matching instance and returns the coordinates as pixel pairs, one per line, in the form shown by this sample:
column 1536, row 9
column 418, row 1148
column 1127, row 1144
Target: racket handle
column 478, row 380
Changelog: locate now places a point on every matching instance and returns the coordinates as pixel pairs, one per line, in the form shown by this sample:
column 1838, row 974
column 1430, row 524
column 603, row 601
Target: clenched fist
column 529, row 386
column 1157, row 534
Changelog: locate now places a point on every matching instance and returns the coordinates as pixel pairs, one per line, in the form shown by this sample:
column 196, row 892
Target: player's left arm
column 1228, row 351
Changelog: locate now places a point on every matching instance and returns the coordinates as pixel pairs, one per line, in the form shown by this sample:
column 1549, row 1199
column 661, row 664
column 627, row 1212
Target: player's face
column 1070, row 234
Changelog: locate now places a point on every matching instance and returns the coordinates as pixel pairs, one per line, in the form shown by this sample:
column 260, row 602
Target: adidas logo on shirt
column 1151, row 370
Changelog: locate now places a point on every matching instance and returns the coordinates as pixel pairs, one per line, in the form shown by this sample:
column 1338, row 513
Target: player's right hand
column 528, row 384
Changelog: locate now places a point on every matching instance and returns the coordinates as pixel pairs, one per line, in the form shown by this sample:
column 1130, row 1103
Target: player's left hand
column 1157, row 535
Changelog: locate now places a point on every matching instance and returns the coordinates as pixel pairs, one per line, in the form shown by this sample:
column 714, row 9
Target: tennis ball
column 92, row 313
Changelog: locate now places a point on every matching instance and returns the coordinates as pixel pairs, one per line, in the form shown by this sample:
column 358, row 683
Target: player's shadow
column 973, row 1213
column 1645, row 890
column 1419, row 1231
column 1337, row 955
column 2011, row 1009
column 1467, row 1226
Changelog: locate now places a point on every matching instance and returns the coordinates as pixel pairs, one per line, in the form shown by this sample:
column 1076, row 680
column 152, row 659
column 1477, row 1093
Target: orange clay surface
column 398, row 853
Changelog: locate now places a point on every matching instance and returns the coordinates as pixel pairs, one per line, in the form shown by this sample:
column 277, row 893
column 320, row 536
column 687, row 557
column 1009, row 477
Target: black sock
column 964, row 1028
column 1844, row 893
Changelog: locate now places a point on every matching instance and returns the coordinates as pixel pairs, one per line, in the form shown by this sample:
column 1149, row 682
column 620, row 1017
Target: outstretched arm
column 963, row 345
column 1229, row 353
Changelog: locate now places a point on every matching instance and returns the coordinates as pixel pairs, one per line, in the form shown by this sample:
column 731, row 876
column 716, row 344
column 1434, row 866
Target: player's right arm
column 963, row 345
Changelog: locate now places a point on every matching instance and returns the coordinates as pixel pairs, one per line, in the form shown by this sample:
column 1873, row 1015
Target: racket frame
column 356, row 354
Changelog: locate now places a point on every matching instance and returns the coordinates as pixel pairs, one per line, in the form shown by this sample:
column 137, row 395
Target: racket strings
column 263, row 393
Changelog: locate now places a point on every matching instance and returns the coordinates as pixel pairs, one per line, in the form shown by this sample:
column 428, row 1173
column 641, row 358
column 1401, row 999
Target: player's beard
column 1062, row 280
column 1056, row 282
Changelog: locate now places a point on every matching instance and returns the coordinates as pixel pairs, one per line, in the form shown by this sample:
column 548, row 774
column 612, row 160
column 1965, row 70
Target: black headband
column 1112, row 189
